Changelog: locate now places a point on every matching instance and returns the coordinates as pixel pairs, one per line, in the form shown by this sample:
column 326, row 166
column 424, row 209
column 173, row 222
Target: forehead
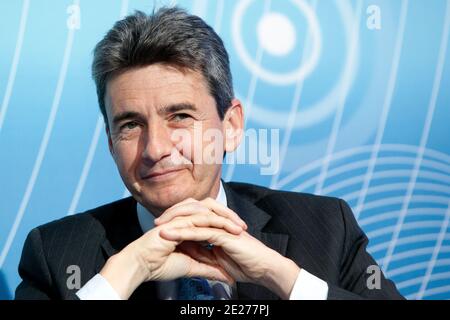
column 157, row 84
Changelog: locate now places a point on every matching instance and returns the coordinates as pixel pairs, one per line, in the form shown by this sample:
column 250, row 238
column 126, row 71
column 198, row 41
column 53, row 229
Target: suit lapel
column 121, row 229
column 256, row 220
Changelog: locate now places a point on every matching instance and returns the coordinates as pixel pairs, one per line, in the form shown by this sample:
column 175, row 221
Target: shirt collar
column 146, row 218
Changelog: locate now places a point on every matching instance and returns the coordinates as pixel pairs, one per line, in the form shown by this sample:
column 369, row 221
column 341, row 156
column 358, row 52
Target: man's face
column 146, row 108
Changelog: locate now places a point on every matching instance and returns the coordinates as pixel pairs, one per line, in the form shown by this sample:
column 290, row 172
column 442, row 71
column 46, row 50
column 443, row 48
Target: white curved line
column 444, row 168
column 390, row 174
column 399, row 187
column 305, row 169
column 43, row 146
column 15, row 62
column 414, row 267
column 250, row 93
column 414, row 253
column 396, row 200
column 341, row 106
column 438, row 290
column 172, row 3
column 425, row 133
column 93, row 144
column 200, row 8
column 437, row 154
column 416, row 281
column 86, row 166
column 354, row 180
column 219, row 14
column 385, row 110
column 317, row 163
column 123, row 9
column 356, row 151
column 406, row 240
column 407, row 226
column 393, row 214
column 436, row 250
column 440, row 189
column 294, row 105
column 357, row 165
column 345, row 168
column 126, row 193
column 379, row 175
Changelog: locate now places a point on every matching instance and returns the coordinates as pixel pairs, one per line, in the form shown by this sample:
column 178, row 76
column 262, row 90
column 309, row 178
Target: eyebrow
column 176, row 108
column 121, row 116
column 125, row 115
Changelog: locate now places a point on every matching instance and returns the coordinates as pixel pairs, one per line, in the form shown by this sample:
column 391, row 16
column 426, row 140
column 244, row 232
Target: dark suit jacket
column 319, row 233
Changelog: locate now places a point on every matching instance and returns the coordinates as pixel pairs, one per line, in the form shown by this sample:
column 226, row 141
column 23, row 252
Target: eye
column 180, row 116
column 129, row 125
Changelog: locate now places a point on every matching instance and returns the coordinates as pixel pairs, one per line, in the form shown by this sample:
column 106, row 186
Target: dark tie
column 194, row 289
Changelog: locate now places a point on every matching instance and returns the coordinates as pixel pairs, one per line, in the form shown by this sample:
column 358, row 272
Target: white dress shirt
column 306, row 287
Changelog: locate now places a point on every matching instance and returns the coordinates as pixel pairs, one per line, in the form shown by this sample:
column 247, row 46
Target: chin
column 164, row 197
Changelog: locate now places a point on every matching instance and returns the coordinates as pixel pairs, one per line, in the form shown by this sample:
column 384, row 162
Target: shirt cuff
column 309, row 287
column 98, row 288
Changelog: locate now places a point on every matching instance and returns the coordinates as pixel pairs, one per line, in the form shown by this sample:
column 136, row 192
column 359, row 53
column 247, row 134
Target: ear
column 110, row 144
column 233, row 124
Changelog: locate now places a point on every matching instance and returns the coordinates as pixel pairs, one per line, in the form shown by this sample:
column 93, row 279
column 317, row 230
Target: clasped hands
column 175, row 248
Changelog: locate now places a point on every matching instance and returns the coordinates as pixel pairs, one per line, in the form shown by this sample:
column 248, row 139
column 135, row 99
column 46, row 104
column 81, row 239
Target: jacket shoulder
column 256, row 193
column 91, row 220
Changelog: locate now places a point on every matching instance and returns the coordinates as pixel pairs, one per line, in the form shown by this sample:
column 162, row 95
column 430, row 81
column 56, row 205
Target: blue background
column 368, row 123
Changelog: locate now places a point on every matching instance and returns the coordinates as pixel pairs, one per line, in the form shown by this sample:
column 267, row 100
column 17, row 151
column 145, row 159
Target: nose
column 157, row 143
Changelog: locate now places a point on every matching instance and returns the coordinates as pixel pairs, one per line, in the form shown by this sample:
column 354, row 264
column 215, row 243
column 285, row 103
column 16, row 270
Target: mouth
column 161, row 175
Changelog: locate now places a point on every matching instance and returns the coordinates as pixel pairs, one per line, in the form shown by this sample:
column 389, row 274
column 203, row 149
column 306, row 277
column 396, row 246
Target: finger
column 194, row 268
column 196, row 251
column 204, row 220
column 192, row 206
column 216, row 256
column 185, row 209
column 224, row 211
column 212, row 220
column 228, row 264
column 214, row 236
column 204, row 217
column 212, row 272
column 187, row 200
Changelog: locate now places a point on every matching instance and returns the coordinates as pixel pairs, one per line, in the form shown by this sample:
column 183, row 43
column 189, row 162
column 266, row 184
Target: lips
column 161, row 173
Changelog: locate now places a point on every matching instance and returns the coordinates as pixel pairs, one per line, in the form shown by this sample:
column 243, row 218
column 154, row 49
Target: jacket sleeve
column 37, row 283
column 33, row 269
column 354, row 274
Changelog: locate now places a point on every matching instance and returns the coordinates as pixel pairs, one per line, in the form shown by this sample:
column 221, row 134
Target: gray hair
column 170, row 36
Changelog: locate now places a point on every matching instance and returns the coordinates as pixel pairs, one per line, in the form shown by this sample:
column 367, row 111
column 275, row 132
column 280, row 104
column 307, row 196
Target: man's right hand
column 152, row 258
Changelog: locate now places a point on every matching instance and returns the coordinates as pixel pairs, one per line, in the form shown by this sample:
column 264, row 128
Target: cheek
column 126, row 154
column 184, row 142
column 185, row 146
column 202, row 144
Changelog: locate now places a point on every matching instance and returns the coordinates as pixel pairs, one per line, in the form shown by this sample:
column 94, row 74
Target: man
column 161, row 79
